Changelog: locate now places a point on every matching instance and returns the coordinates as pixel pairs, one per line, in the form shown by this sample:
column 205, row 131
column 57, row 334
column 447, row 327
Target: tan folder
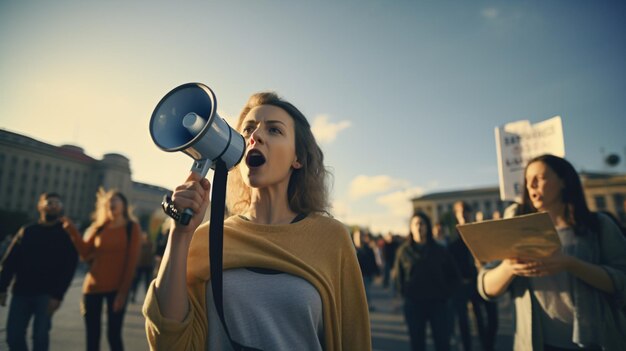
column 527, row 236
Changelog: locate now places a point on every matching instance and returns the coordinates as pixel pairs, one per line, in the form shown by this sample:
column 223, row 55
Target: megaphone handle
column 201, row 167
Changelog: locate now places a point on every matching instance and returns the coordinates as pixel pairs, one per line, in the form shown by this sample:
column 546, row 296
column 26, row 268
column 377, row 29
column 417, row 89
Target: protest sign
column 517, row 143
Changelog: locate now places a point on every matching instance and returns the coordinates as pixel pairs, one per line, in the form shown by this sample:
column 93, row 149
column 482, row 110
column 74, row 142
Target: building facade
column 606, row 192
column 29, row 167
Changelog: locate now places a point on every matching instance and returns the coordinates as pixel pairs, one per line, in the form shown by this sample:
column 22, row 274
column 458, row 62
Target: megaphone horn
column 186, row 120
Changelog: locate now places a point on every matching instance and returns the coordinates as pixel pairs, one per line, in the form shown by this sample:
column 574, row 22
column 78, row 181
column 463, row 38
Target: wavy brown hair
column 308, row 190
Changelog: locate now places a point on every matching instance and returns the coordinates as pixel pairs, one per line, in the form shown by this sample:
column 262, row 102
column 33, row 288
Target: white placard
column 517, row 143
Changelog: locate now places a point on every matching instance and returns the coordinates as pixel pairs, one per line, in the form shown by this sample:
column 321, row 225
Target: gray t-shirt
column 554, row 295
column 267, row 312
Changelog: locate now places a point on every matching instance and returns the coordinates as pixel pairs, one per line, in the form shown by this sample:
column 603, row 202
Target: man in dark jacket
column 42, row 259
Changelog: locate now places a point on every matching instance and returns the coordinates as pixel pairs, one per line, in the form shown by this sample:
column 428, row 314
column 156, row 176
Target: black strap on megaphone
column 216, row 241
column 216, row 244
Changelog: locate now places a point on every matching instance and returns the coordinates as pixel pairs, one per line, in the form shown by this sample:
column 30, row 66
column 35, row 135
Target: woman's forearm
column 171, row 281
column 497, row 280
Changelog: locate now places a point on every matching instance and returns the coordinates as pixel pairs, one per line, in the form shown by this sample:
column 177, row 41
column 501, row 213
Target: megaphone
column 186, row 120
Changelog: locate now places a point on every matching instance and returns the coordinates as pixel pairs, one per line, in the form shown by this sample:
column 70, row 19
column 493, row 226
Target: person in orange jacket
column 111, row 247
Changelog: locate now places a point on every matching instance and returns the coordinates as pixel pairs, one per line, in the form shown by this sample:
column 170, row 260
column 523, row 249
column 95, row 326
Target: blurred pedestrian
column 160, row 244
column 145, row 266
column 390, row 246
column 575, row 298
column 111, row 246
column 367, row 261
column 440, row 234
column 42, row 260
column 465, row 263
column 496, row 215
column 485, row 311
column 479, row 216
column 426, row 276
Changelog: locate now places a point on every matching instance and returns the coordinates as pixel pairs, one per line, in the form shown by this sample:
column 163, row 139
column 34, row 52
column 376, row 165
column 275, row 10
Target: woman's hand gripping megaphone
column 194, row 195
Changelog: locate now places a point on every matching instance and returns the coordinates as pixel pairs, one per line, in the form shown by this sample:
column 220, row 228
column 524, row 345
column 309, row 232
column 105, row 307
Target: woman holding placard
column 575, row 298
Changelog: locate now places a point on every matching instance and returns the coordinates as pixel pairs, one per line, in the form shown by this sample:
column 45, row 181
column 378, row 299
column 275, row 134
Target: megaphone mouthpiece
column 193, row 123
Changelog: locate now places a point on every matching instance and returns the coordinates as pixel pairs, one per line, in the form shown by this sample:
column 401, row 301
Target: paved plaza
column 388, row 328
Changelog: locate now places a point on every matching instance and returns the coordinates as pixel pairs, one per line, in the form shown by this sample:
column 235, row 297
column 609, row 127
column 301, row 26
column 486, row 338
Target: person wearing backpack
column 111, row 247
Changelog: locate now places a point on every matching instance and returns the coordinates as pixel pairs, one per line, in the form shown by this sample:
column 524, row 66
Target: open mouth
column 255, row 158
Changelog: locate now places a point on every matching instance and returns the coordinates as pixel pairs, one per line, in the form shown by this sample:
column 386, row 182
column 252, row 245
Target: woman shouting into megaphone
column 291, row 280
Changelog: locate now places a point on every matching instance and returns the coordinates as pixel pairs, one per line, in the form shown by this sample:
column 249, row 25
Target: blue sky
column 404, row 95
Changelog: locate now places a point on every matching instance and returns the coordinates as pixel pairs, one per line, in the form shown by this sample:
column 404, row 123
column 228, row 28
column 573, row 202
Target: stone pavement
column 68, row 329
column 388, row 328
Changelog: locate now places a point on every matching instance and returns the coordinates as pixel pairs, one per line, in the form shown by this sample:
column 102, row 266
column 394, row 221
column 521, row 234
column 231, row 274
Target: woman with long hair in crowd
column 575, row 298
column 426, row 275
column 111, row 248
column 291, row 279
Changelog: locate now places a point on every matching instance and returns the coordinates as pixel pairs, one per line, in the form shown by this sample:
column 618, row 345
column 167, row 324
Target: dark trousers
column 417, row 313
column 22, row 309
column 460, row 298
column 487, row 323
column 92, row 312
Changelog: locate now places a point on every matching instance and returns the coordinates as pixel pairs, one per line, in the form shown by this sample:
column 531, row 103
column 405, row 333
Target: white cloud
column 398, row 203
column 389, row 210
column 365, row 185
column 490, row 13
column 340, row 210
column 325, row 131
column 379, row 222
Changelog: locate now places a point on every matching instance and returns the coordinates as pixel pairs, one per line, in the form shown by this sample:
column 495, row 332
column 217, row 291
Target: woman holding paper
column 573, row 299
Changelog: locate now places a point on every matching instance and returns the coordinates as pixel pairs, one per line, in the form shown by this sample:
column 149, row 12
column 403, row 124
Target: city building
column 29, row 167
column 606, row 192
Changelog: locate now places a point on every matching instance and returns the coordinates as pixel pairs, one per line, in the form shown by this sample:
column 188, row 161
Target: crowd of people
column 573, row 299
column 42, row 259
column 434, row 273
column 292, row 276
